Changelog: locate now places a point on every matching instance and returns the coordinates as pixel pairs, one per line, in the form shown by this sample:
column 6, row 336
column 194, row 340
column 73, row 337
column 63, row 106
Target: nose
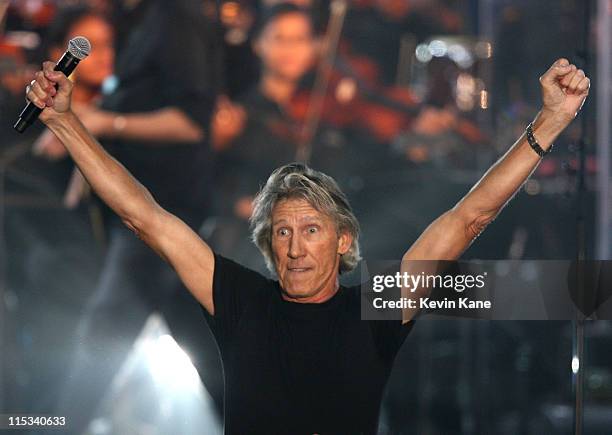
column 295, row 247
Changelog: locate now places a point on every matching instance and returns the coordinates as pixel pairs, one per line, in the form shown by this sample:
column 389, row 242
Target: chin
column 297, row 290
column 301, row 289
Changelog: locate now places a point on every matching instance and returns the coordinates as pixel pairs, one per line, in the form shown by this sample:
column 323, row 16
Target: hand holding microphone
column 49, row 93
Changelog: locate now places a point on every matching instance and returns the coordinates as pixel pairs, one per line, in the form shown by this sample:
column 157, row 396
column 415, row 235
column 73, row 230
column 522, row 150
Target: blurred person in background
column 153, row 117
column 240, row 65
column 257, row 133
column 262, row 129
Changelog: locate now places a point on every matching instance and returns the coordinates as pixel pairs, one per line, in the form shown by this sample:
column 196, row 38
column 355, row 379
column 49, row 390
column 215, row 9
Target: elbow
column 136, row 226
column 141, row 224
column 475, row 222
column 475, row 227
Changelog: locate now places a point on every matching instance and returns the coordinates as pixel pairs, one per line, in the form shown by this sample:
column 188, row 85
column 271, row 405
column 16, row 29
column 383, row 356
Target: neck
column 325, row 294
column 276, row 88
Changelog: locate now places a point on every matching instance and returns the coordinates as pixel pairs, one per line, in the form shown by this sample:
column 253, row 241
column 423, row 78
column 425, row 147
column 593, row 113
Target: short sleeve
column 235, row 289
column 187, row 64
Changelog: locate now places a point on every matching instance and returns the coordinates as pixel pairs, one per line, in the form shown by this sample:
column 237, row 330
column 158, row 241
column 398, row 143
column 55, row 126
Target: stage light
column 422, row 53
column 157, row 387
column 484, row 49
column 460, row 55
column 437, row 48
column 170, row 365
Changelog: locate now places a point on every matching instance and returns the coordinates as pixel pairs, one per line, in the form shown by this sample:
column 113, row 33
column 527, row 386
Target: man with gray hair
column 297, row 357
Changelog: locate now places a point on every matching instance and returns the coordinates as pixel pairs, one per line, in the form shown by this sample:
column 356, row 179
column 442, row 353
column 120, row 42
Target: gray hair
column 296, row 180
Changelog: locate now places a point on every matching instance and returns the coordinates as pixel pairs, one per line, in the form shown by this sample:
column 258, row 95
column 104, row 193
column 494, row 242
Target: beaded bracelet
column 534, row 143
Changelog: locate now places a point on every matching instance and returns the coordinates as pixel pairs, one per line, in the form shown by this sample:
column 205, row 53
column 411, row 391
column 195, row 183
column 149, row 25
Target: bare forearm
column 165, row 125
column 109, row 179
column 507, row 175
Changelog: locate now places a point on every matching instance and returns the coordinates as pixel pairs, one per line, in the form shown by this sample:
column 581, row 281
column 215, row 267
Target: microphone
column 78, row 49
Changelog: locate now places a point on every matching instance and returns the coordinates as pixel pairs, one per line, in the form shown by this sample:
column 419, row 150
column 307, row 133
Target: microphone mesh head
column 79, row 47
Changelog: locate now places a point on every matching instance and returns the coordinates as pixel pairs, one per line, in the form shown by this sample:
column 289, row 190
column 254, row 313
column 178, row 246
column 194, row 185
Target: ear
column 345, row 240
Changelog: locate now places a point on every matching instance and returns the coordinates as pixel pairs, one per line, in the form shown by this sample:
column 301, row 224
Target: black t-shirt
column 293, row 368
column 165, row 60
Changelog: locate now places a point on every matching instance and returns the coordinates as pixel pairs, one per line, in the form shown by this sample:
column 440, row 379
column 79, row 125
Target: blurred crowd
column 273, row 84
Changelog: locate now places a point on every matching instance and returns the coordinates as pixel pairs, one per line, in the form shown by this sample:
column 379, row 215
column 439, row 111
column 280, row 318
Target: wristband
column 119, row 123
column 534, row 143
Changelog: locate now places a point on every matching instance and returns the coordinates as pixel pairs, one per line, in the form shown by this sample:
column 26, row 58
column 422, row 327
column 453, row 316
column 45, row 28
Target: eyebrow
column 305, row 218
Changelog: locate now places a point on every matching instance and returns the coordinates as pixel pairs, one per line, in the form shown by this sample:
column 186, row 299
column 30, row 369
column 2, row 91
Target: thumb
column 558, row 69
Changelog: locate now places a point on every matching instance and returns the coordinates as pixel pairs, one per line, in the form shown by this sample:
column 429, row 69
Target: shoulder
column 227, row 272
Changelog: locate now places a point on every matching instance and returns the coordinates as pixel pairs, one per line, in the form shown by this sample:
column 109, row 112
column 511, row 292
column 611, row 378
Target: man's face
column 306, row 249
column 286, row 46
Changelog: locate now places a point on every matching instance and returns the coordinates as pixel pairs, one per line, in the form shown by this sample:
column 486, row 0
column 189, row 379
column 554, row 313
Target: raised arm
column 564, row 90
column 170, row 237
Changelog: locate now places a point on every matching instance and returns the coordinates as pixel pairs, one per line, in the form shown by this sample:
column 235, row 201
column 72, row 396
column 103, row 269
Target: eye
column 313, row 230
column 283, row 232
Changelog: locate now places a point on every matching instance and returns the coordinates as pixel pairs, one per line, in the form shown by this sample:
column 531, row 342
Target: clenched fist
column 564, row 89
column 44, row 94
